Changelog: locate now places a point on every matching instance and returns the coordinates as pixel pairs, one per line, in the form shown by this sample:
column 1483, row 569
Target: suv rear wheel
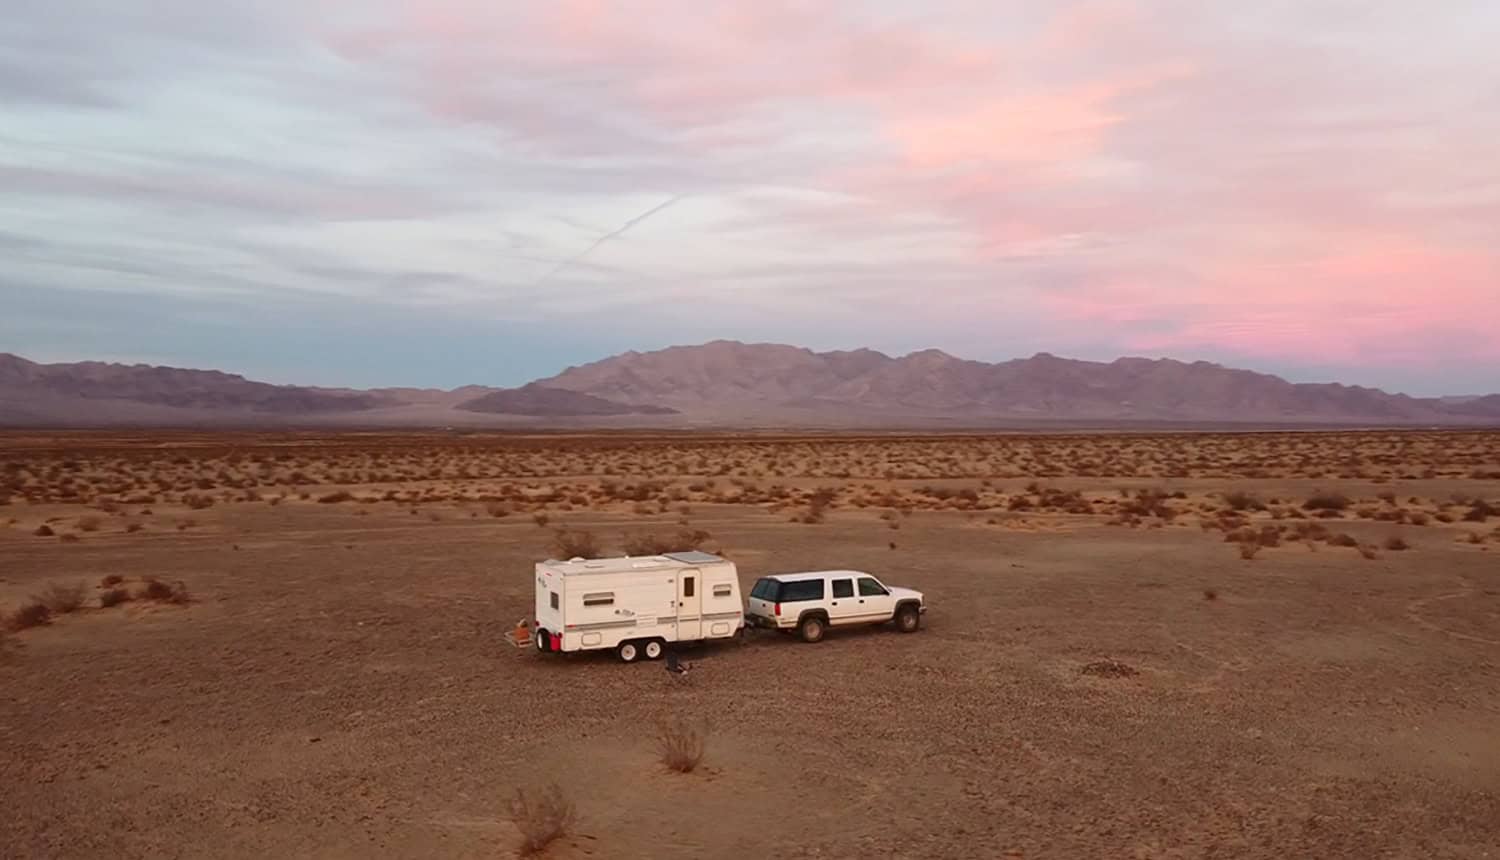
column 811, row 629
column 908, row 618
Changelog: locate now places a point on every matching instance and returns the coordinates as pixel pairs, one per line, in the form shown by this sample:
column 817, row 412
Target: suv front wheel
column 908, row 618
column 811, row 629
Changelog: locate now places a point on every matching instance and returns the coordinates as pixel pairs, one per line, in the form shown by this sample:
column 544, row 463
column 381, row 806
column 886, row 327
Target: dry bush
column 198, row 501
column 335, row 498
column 1342, row 539
column 1239, row 500
column 111, row 580
column 680, row 742
column 89, row 523
column 1324, row 500
column 1210, row 594
column 62, row 599
column 540, row 518
column 652, row 544
column 113, row 597
column 1418, row 518
column 1396, row 543
column 44, row 531
column 155, row 589
column 497, row 510
column 33, row 614
column 574, row 543
column 1249, row 549
column 541, row 816
column 132, row 528
column 1480, row 511
column 1368, row 551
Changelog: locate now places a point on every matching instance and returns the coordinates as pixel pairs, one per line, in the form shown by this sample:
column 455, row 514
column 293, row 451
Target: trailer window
column 723, row 590
column 554, row 599
column 599, row 598
column 687, row 585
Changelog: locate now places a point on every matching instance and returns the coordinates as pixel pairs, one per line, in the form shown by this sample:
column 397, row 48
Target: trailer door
column 689, row 604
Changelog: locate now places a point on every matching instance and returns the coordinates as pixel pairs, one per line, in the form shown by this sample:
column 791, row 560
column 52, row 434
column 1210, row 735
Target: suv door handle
column 835, row 603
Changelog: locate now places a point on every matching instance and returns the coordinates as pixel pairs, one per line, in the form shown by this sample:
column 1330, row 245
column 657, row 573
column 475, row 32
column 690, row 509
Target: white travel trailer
column 636, row 605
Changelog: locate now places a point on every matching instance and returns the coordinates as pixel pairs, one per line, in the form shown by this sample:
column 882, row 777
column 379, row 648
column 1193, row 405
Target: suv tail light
column 778, row 610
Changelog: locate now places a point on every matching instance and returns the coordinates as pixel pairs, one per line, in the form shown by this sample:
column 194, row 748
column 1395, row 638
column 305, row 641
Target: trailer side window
column 599, row 598
column 723, row 590
column 554, row 599
column 687, row 585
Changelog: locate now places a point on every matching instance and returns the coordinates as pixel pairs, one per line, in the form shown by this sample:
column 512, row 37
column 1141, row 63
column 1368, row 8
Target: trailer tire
column 812, row 628
column 628, row 651
column 540, row 638
column 654, row 649
column 908, row 618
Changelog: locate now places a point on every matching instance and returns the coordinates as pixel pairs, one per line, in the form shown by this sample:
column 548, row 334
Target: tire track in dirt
column 1414, row 613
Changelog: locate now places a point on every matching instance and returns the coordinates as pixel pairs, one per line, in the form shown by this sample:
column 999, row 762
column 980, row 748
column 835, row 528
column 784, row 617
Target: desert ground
column 1143, row 645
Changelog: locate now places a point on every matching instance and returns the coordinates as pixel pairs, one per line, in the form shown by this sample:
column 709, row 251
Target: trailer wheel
column 653, row 649
column 628, row 651
column 908, row 618
column 811, row 629
column 540, row 639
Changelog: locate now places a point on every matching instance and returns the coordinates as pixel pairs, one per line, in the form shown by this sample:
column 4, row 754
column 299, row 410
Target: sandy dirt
column 338, row 685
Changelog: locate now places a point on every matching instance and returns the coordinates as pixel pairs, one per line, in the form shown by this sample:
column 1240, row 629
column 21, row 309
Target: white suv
column 810, row 603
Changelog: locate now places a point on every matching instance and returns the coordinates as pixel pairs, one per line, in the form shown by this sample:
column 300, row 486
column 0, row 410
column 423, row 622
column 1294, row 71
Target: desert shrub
column 540, row 518
column 89, row 523
column 1326, row 501
column 1368, row 551
column 111, row 580
column 69, row 538
column 113, row 597
column 541, row 815
column 33, row 614
column 680, row 743
column 155, row 589
column 62, row 599
column 335, row 498
column 44, row 531
column 1342, row 539
column 1480, row 511
column 575, row 543
column 198, row 501
column 132, row 528
column 1396, row 543
column 497, row 510
column 1249, row 549
column 652, row 544
column 1418, row 518
column 1239, row 500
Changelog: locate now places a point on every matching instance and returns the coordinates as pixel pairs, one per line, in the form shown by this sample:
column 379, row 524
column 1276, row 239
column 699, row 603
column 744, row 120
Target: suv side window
column 803, row 589
column 868, row 587
column 843, row 588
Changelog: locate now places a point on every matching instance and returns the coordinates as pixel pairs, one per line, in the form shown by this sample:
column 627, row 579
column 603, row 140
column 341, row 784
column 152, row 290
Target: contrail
column 613, row 234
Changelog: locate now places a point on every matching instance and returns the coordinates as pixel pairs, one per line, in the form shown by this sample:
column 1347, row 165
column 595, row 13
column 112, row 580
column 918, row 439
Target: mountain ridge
column 730, row 382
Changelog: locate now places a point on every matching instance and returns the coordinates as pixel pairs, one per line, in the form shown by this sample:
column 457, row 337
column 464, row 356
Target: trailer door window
column 687, row 585
column 599, row 598
column 554, row 599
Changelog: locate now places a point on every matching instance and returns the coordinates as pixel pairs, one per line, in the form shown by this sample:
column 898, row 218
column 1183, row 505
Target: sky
column 374, row 192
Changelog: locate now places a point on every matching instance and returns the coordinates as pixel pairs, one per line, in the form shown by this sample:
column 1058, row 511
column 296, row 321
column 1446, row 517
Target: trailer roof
column 628, row 563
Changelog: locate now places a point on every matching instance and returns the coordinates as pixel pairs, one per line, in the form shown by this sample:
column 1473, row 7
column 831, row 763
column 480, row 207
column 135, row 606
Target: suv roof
column 813, row 574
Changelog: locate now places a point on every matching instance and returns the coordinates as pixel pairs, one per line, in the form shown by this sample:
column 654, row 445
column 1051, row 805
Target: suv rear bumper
column 762, row 621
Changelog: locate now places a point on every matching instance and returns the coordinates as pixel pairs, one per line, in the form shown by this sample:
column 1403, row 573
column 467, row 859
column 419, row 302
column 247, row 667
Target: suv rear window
column 765, row 589
column 776, row 591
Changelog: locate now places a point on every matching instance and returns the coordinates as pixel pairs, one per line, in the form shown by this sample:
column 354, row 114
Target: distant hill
column 728, row 383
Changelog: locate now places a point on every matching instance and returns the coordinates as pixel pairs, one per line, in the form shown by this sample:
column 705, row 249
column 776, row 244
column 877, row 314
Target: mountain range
column 727, row 383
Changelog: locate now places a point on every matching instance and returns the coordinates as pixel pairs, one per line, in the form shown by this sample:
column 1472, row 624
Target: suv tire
column 811, row 628
column 908, row 618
